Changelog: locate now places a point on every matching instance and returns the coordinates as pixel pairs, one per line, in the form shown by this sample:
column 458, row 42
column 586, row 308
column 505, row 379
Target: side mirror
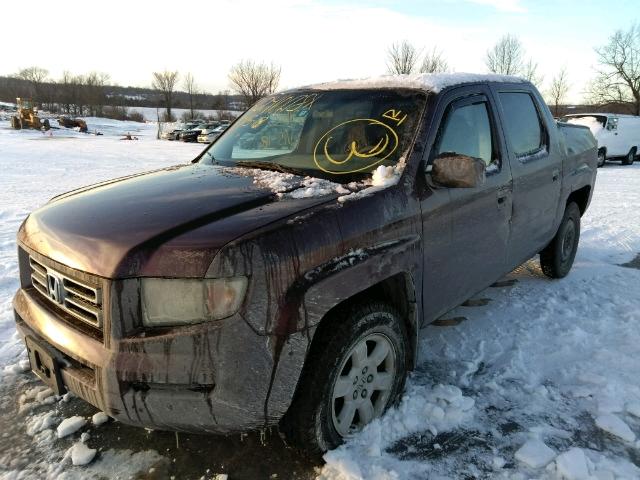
column 458, row 171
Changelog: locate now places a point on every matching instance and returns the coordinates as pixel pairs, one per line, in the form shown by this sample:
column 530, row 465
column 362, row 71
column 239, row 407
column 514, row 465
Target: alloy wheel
column 362, row 389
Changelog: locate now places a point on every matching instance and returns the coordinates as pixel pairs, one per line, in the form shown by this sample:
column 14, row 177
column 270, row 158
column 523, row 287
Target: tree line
column 616, row 81
column 92, row 95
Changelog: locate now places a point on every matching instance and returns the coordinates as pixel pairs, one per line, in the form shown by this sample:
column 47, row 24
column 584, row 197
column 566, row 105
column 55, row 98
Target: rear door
column 476, row 252
column 535, row 157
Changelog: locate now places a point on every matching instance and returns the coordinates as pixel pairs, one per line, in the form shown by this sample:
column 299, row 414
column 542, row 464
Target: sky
column 312, row 40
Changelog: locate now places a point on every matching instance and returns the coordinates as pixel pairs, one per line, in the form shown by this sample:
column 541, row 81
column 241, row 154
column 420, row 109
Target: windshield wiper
column 269, row 166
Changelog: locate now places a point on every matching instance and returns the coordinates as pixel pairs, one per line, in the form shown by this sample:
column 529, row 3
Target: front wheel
column 557, row 258
column 631, row 156
column 602, row 157
column 356, row 369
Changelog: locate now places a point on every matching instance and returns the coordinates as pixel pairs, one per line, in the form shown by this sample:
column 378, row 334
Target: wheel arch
column 398, row 290
column 581, row 197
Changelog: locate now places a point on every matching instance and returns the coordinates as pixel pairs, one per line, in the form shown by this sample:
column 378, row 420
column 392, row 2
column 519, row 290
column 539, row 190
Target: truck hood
column 121, row 228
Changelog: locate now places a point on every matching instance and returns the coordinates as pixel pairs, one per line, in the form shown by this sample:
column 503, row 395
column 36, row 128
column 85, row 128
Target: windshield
column 334, row 134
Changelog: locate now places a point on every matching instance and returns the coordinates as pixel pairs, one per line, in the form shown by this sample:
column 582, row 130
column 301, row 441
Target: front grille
column 78, row 299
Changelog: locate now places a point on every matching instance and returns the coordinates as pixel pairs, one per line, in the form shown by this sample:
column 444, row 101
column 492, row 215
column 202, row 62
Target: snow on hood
column 288, row 185
column 383, row 177
column 592, row 122
column 431, row 82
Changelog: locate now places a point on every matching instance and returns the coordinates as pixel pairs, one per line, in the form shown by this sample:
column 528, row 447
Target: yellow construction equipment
column 27, row 116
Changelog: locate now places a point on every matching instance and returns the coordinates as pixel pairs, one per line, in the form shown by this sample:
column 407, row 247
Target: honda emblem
column 54, row 288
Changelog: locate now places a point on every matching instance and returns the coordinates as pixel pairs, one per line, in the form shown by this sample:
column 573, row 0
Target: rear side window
column 522, row 123
column 466, row 130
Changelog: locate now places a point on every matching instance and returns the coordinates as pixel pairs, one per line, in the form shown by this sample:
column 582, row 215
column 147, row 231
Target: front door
column 479, row 217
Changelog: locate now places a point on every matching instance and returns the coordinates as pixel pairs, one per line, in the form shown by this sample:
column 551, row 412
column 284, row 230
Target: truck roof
column 429, row 82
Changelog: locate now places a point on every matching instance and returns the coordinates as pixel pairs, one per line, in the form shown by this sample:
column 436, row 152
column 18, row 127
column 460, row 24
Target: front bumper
column 203, row 378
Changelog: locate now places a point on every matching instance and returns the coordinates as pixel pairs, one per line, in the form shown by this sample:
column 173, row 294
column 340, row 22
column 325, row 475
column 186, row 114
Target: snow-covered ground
column 541, row 382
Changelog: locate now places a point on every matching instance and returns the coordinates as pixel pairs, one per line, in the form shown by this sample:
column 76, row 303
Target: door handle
column 556, row 175
column 502, row 195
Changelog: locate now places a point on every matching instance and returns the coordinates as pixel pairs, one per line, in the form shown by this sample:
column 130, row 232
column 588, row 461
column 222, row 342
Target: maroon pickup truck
column 282, row 278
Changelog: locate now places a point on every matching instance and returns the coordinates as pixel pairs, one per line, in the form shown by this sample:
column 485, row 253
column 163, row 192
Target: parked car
column 187, row 126
column 191, row 135
column 618, row 136
column 211, row 298
column 171, row 135
column 208, row 135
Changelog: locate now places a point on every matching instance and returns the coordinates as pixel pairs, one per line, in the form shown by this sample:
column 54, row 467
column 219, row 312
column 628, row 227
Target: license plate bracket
column 44, row 363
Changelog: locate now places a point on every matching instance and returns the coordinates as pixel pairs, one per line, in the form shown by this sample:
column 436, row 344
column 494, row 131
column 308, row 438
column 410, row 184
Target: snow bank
column 535, row 453
column 431, row 409
column 70, row 425
column 81, row 454
column 572, row 465
column 431, row 82
column 99, row 418
column 612, row 424
column 40, row 422
column 592, row 122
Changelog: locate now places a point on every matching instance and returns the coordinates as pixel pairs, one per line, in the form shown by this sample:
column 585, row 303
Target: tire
column 631, row 156
column 557, row 258
column 339, row 373
column 15, row 123
column 602, row 157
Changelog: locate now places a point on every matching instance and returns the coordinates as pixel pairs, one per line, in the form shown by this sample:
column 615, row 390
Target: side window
column 522, row 123
column 466, row 130
column 612, row 124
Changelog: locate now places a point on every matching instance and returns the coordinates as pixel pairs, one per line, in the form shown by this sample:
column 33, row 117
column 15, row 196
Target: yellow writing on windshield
column 360, row 143
column 395, row 115
column 289, row 103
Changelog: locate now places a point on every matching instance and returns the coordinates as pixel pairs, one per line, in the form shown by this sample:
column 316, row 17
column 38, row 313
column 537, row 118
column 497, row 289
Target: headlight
column 186, row 301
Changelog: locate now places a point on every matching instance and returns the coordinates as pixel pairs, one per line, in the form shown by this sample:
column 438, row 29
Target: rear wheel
column 602, row 157
column 356, row 369
column 631, row 156
column 557, row 258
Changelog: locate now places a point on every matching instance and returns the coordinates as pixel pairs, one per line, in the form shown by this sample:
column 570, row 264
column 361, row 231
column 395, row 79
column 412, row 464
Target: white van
column 618, row 136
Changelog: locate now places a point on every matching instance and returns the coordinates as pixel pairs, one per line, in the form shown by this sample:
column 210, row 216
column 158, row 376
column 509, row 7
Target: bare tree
column 189, row 84
column 618, row 79
column 36, row 76
column 530, row 72
column 434, row 61
column 402, row 58
column 559, row 89
column 64, row 91
column 254, row 80
column 165, row 82
column 506, row 56
column 94, row 92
